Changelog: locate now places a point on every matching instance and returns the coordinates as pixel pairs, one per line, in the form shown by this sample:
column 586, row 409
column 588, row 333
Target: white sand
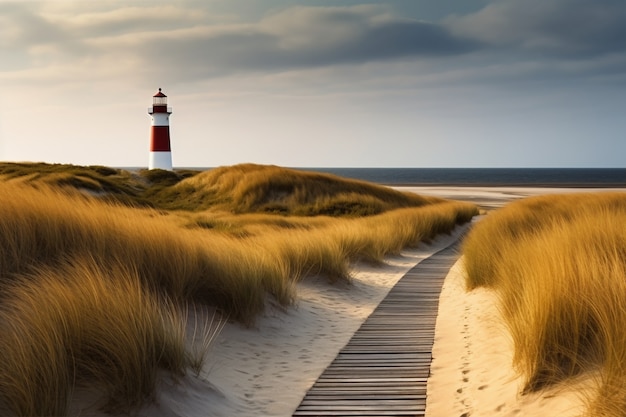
column 267, row 370
column 471, row 372
column 495, row 197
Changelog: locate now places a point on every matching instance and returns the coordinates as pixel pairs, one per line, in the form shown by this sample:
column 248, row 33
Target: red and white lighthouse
column 160, row 151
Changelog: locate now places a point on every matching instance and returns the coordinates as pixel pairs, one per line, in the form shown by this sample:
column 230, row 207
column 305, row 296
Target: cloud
column 64, row 42
column 194, row 43
column 22, row 32
column 135, row 19
column 358, row 33
column 561, row 28
column 20, row 25
column 302, row 37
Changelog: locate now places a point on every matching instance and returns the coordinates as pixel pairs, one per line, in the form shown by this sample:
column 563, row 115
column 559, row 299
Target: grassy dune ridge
column 558, row 264
column 279, row 190
column 244, row 188
column 94, row 288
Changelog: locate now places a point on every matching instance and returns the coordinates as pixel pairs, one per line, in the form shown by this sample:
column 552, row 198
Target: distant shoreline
column 511, row 185
column 473, row 177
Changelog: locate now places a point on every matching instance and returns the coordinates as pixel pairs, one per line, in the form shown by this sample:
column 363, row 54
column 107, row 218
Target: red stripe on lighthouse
column 160, row 139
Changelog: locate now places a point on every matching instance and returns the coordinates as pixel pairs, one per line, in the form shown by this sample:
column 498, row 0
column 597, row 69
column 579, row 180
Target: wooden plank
column 380, row 381
column 404, row 405
column 362, row 413
column 374, row 356
column 377, row 398
column 397, row 389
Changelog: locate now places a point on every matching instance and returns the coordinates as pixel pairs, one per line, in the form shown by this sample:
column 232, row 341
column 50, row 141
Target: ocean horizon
column 549, row 177
column 534, row 177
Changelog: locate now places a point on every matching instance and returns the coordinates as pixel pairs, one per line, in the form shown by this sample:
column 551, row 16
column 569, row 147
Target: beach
column 266, row 369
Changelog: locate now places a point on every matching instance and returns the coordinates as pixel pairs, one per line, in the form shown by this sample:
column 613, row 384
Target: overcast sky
column 317, row 83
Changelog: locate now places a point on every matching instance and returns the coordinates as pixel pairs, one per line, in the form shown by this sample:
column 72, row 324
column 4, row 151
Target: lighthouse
column 160, row 151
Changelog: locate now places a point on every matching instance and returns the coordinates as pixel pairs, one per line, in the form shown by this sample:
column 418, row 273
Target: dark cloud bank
column 304, row 37
column 545, row 30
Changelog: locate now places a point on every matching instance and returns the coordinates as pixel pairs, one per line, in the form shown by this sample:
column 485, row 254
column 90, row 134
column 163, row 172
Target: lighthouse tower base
column 160, row 160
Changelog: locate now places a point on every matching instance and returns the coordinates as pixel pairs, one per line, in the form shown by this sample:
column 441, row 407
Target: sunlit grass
column 77, row 323
column 249, row 188
column 102, row 291
column 558, row 264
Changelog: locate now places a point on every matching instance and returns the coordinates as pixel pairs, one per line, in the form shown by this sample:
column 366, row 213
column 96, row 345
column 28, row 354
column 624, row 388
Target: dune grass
column 103, row 292
column 81, row 322
column 558, row 264
column 111, row 184
column 250, row 188
column 244, row 188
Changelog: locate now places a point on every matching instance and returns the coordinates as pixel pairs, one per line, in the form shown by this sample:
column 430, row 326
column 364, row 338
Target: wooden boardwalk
column 383, row 369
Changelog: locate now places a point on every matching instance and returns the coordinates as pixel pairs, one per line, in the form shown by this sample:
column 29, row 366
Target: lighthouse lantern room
column 160, row 151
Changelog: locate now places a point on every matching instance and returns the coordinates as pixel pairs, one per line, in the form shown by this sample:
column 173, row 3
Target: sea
column 488, row 177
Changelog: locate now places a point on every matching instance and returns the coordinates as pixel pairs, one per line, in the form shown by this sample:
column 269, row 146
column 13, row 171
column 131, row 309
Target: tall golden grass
column 82, row 322
column 248, row 188
column 94, row 292
column 558, row 264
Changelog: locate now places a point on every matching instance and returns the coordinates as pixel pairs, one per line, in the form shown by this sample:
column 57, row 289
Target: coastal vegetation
column 101, row 268
column 558, row 265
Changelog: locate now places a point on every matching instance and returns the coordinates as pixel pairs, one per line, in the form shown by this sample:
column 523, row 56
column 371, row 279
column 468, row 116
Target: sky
column 316, row 83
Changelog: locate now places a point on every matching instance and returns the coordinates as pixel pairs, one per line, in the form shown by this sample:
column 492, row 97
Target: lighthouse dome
column 159, row 99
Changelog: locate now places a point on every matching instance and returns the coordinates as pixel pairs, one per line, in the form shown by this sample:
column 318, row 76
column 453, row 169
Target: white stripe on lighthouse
column 160, row 160
column 160, row 119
